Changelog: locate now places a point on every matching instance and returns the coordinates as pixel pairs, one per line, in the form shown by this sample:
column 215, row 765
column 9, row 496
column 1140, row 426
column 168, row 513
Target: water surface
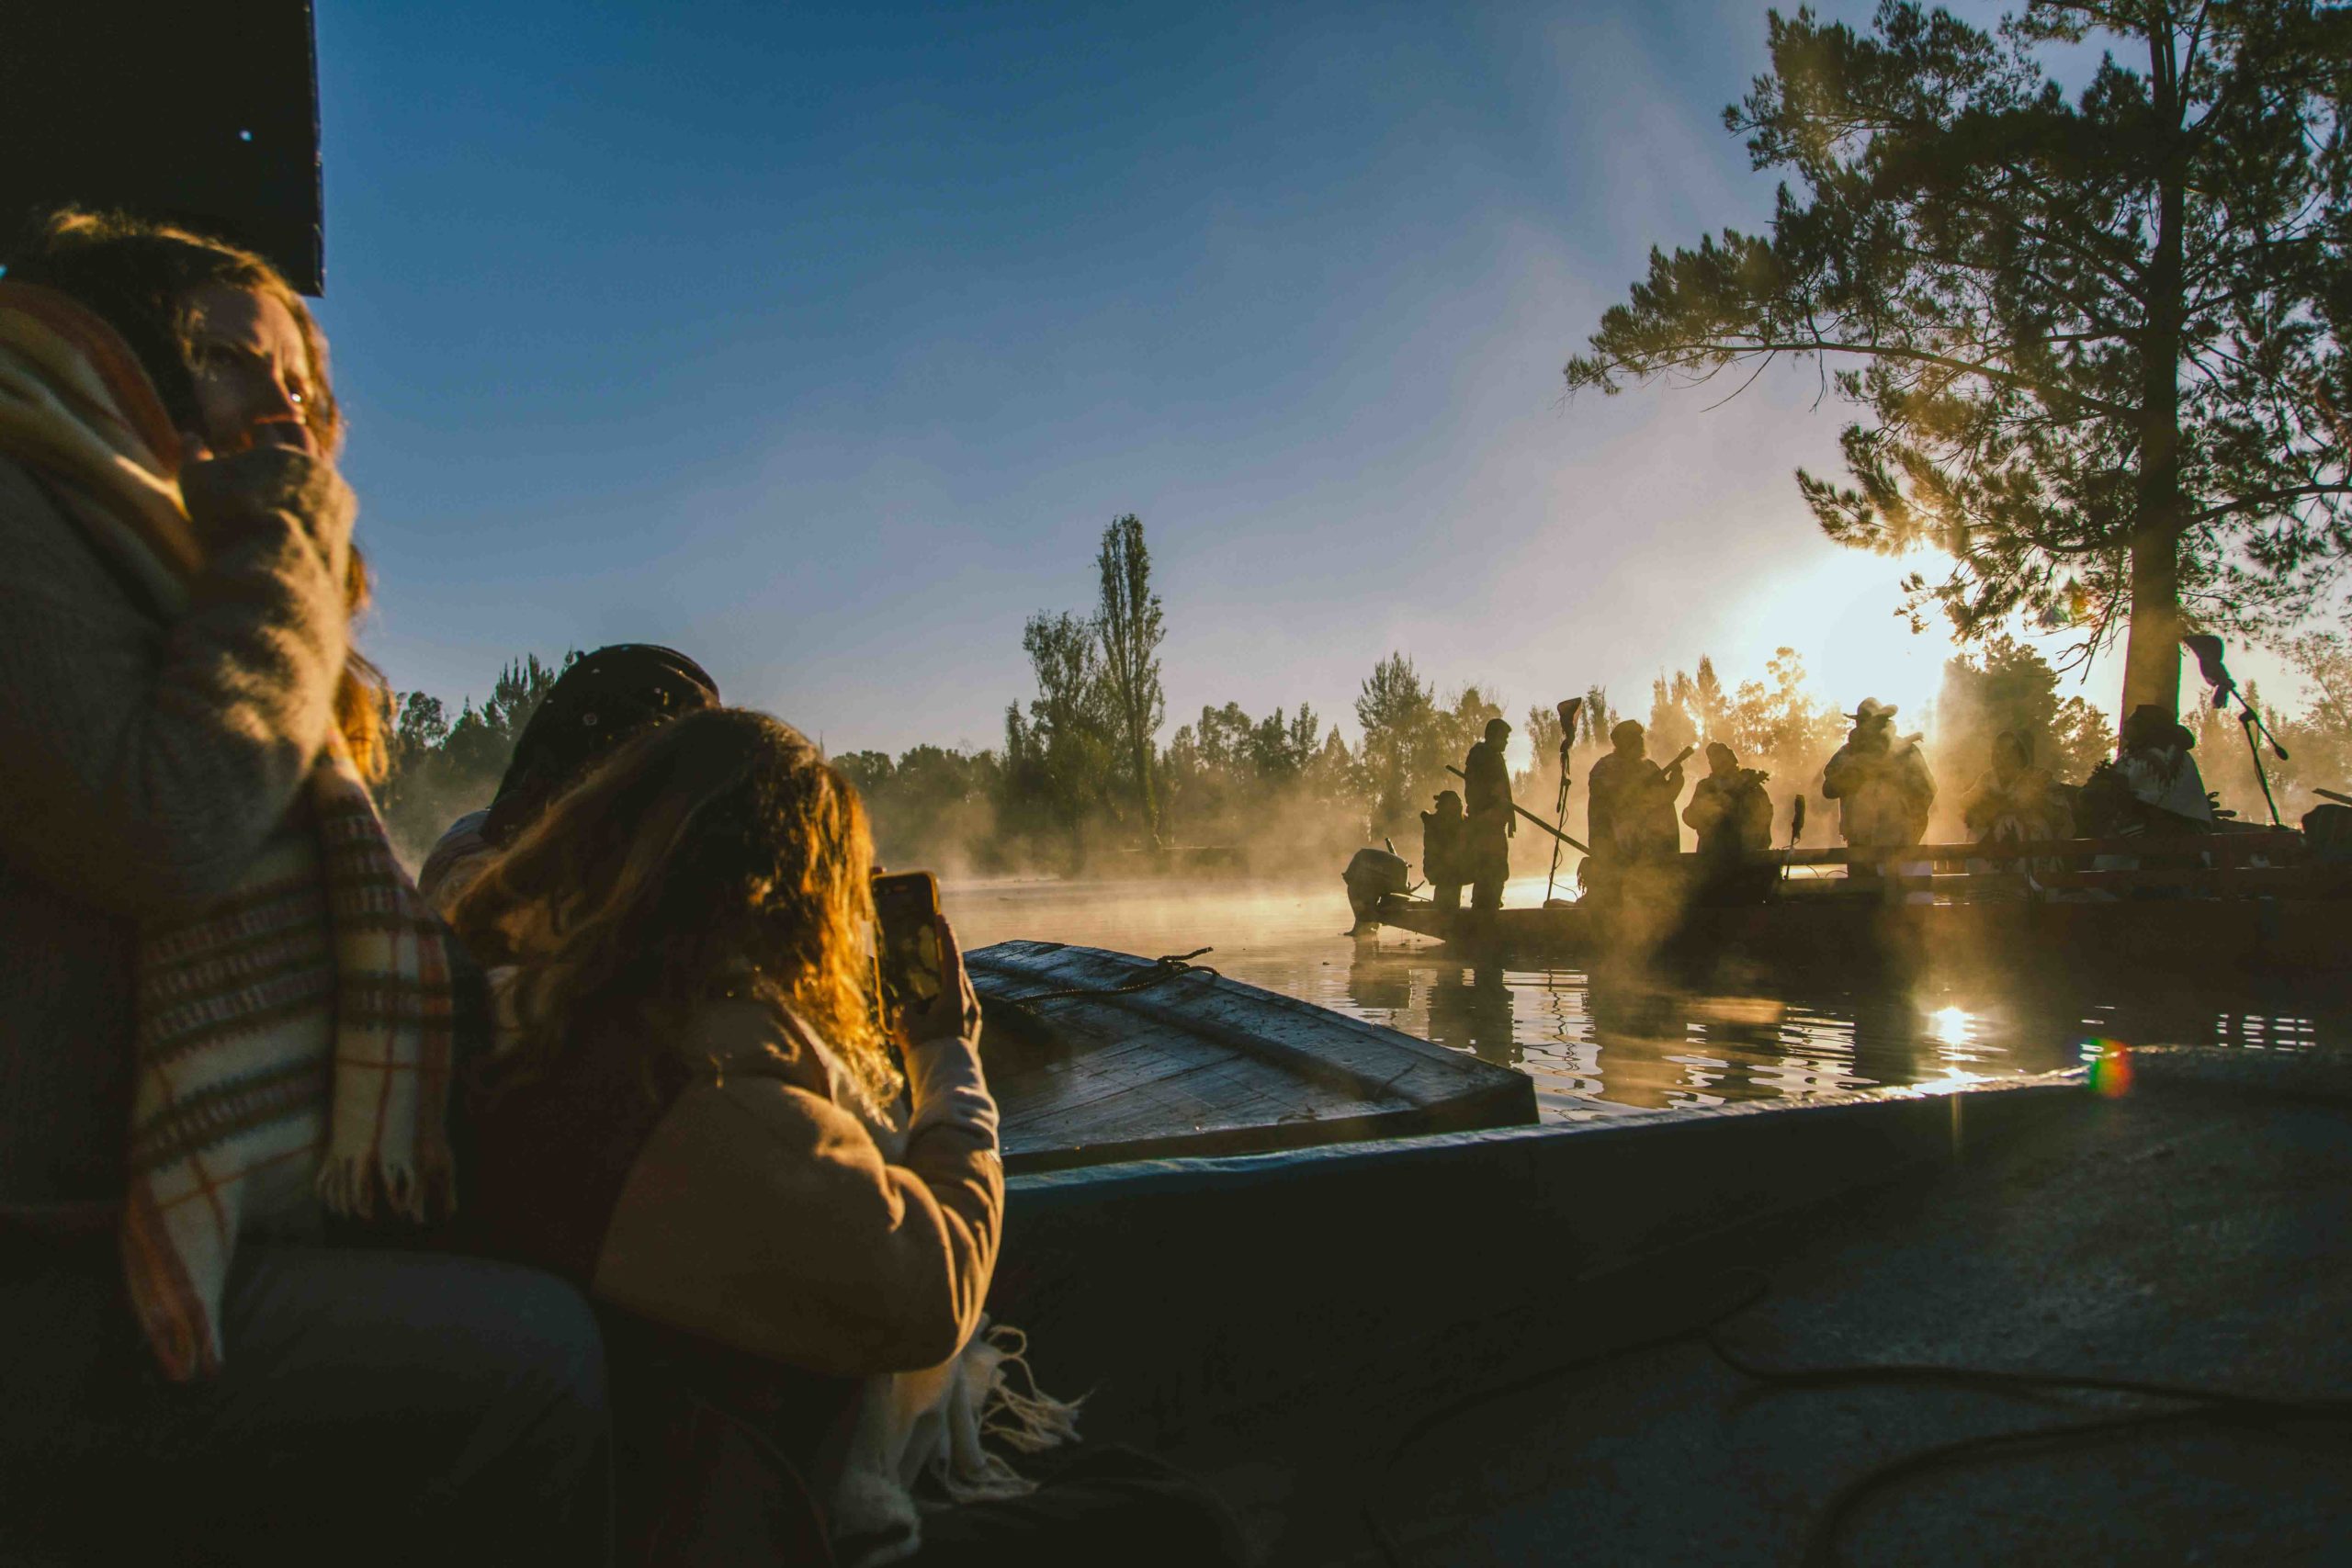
column 1603, row 1048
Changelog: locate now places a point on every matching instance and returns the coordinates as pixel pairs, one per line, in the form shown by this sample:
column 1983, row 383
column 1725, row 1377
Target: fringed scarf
column 294, row 1039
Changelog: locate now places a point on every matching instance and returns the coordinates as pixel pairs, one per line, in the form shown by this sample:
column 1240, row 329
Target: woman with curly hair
column 697, row 1112
column 229, row 1022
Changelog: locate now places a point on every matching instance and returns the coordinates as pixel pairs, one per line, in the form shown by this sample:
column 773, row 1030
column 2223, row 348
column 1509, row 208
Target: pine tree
column 2098, row 340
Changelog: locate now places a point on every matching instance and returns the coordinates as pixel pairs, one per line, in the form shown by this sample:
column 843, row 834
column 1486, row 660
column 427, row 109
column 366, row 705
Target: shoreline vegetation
column 2091, row 334
column 1084, row 785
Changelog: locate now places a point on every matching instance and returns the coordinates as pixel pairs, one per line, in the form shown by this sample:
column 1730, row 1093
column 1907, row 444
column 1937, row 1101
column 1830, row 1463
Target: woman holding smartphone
column 695, row 1112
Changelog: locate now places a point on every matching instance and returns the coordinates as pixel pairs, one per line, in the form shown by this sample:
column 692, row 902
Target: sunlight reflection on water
column 1603, row 1049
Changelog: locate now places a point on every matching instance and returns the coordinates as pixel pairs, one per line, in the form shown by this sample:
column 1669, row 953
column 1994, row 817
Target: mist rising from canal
column 1599, row 1046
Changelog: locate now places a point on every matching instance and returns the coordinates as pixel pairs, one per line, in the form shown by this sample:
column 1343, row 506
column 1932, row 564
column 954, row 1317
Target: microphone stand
column 2250, row 723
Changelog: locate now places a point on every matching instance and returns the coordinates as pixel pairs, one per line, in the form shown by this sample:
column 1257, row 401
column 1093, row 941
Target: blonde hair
column 717, row 854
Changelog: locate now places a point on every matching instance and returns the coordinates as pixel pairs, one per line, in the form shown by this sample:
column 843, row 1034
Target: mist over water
column 1596, row 1047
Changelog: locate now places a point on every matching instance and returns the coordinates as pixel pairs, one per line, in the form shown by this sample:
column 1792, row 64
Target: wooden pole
column 1572, row 844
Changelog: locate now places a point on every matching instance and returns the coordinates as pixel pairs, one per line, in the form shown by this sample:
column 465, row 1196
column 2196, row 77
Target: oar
column 1515, row 805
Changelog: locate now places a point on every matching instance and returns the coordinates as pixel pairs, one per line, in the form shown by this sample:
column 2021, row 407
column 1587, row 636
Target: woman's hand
column 954, row 1013
column 258, row 491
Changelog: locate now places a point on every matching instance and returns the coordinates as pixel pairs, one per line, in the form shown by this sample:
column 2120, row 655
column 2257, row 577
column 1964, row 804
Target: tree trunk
column 2152, row 646
column 2152, row 650
column 1141, row 747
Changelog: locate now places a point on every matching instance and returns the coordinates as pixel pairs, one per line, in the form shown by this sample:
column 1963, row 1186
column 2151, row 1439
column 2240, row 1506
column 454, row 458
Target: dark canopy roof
column 202, row 112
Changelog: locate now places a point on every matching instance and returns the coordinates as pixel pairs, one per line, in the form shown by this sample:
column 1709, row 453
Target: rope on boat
column 1167, row 966
column 2182, row 1403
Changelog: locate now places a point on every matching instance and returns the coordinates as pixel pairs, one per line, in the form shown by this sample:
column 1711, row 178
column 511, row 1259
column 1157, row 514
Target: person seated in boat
column 694, row 1113
column 2152, row 763
column 1442, row 850
column 2015, row 802
column 200, row 1067
column 1490, row 822
column 596, row 702
column 1629, row 811
column 1733, row 816
column 1881, row 783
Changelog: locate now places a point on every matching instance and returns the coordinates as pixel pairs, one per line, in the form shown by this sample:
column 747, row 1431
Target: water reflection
column 1598, row 1046
column 1470, row 1007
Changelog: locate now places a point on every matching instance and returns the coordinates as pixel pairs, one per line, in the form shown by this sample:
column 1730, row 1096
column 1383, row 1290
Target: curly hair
column 142, row 279
column 717, row 854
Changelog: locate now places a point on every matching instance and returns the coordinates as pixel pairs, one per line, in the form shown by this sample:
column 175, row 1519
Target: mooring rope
column 1165, row 967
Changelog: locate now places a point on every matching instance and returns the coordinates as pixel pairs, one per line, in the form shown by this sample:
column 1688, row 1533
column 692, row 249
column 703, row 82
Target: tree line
column 2095, row 338
column 1083, row 781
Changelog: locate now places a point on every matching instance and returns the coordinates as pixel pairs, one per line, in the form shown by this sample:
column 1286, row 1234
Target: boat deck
column 1097, row 1056
column 2189, row 1233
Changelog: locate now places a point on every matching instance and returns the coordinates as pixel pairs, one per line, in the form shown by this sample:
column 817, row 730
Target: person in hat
column 1490, row 822
column 1629, row 811
column 1442, row 850
column 611, row 695
column 1733, row 816
column 2152, row 756
column 1879, row 781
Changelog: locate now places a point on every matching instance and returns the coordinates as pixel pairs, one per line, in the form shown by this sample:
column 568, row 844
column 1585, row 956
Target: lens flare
column 1949, row 1026
column 2109, row 1062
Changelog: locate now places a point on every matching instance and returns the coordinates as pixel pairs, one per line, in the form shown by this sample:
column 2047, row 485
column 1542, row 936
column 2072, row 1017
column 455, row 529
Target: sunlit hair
column 718, row 853
column 142, row 277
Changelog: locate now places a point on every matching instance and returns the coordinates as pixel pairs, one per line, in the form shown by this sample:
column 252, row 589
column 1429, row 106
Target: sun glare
column 1839, row 612
column 1949, row 1026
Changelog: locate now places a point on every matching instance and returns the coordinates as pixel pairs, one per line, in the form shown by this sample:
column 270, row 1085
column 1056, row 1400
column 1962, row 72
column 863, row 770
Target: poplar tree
column 1127, row 624
column 2096, row 338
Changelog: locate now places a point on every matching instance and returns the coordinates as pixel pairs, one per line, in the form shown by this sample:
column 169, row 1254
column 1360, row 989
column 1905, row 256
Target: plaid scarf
column 294, row 1039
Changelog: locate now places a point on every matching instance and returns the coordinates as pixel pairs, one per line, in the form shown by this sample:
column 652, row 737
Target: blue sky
column 823, row 343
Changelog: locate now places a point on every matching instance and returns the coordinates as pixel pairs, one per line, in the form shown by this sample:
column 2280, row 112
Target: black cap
column 597, row 703
column 2150, row 725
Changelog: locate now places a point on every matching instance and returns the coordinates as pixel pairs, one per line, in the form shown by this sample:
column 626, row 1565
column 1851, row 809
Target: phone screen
column 906, row 907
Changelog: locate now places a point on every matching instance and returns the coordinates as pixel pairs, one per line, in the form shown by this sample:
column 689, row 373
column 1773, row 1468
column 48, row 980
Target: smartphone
column 906, row 948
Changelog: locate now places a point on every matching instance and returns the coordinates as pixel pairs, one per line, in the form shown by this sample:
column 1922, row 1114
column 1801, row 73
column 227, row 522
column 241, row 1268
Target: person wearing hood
column 1879, row 781
column 1491, row 822
column 1442, row 850
column 2015, row 802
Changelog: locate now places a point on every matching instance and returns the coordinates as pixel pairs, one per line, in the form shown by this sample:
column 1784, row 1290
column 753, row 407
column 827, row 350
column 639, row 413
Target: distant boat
column 2251, row 902
column 1097, row 1056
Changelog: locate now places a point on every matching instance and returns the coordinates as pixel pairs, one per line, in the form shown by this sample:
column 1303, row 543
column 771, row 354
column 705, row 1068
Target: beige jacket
column 773, row 1212
column 765, row 1214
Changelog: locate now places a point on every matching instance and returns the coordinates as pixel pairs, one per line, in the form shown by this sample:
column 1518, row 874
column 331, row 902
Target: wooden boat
column 2212, row 904
column 1488, row 1347
column 1097, row 1056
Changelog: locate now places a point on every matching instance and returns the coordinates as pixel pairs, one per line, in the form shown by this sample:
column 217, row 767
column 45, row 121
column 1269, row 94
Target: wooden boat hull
column 2168, row 937
column 2256, row 901
column 1520, row 1311
column 1206, row 1296
column 1096, row 1056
